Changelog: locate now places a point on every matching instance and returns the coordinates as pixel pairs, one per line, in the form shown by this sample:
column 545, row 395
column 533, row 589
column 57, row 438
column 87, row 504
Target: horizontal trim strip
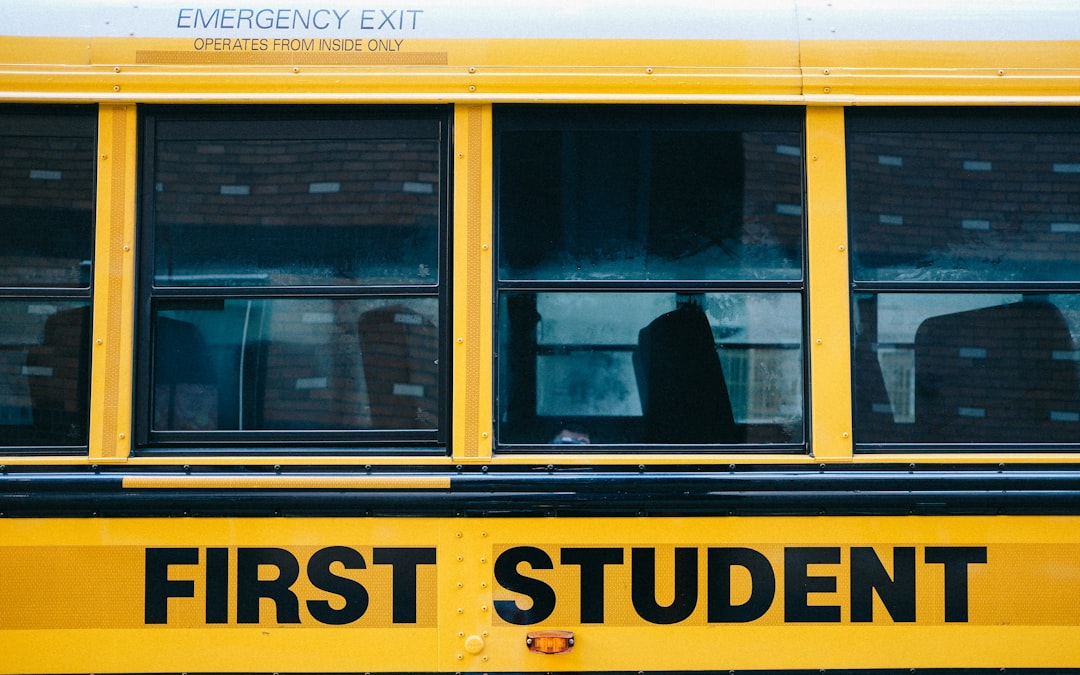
column 287, row 482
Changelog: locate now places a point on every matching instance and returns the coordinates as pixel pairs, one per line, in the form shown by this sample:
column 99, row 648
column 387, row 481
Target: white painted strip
column 975, row 224
column 418, row 188
column 972, row 353
column 236, row 190
column 971, row 412
column 323, row 188
column 789, row 150
column 890, row 160
column 977, row 165
column 43, row 174
column 317, row 317
column 1065, row 228
column 789, row 209
column 890, row 219
column 37, row 371
column 1064, row 416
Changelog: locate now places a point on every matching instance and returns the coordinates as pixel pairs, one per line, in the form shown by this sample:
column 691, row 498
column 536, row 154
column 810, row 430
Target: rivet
column 819, row 341
column 472, row 69
column 99, row 341
column 461, row 340
column 484, row 435
column 846, row 434
column 841, row 247
column 116, row 69
column 825, row 71
column 648, row 70
column 472, row 87
column 127, row 247
column 123, row 436
column 827, row 90
column 116, row 87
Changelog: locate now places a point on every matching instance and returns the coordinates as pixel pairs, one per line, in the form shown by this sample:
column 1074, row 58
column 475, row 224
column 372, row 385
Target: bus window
column 295, row 277
column 47, row 214
column 965, row 230
column 650, row 276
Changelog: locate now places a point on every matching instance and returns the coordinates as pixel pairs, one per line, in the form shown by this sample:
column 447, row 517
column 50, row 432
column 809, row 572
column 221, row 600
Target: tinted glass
column 44, row 371
column 967, row 368
column 964, row 198
column 297, row 203
column 46, row 199
column 296, row 364
column 650, row 194
column 630, row 368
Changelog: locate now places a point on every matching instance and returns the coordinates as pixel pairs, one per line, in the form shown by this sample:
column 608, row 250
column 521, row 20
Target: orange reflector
column 550, row 641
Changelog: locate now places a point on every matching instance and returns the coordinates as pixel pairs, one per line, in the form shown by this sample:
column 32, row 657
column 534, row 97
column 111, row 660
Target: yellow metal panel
column 829, row 349
column 427, row 594
column 472, row 284
column 114, row 285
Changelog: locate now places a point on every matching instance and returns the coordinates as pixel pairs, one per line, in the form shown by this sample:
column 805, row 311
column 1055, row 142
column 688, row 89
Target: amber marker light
column 550, row 641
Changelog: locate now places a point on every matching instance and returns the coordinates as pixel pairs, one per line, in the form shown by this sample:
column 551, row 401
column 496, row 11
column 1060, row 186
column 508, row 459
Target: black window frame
column 61, row 120
column 652, row 117
column 943, row 120
column 199, row 122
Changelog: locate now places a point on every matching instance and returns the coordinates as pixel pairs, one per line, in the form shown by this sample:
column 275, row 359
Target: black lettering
column 404, row 562
column 250, row 588
column 762, row 585
column 798, row 584
column 217, row 585
column 507, row 576
column 321, row 577
column 643, row 585
column 868, row 575
column 592, row 562
column 157, row 586
column 956, row 560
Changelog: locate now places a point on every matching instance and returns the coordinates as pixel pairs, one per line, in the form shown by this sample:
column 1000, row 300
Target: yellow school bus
column 539, row 336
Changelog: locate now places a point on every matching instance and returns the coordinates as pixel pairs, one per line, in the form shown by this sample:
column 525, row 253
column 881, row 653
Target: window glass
column 582, row 199
column 299, row 207
column 650, row 276
column 965, row 234
column 295, row 282
column 296, row 363
column 633, row 368
column 47, row 218
column 970, row 198
column 46, row 198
